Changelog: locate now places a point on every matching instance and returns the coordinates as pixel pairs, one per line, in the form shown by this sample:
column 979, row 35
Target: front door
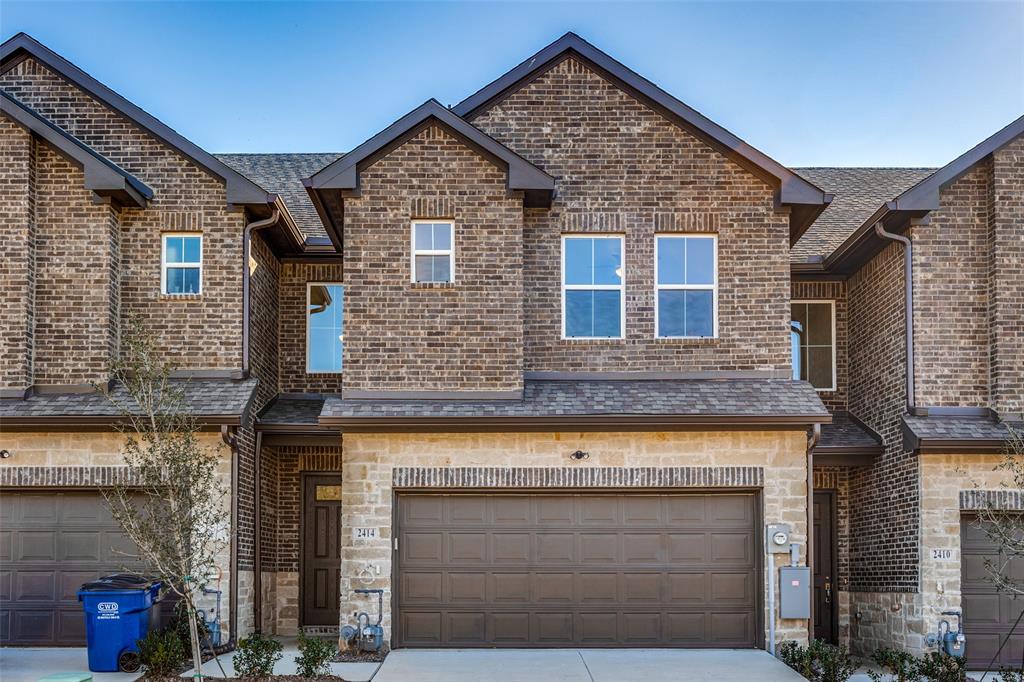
column 825, row 623
column 321, row 549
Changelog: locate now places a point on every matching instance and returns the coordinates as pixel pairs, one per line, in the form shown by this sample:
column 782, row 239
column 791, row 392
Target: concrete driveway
column 582, row 665
column 28, row 664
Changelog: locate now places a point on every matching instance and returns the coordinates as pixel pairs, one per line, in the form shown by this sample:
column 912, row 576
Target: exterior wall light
column 579, row 455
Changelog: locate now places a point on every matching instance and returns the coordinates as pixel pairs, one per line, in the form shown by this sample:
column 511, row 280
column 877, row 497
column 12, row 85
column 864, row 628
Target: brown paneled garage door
column 988, row 615
column 51, row 543
column 561, row 570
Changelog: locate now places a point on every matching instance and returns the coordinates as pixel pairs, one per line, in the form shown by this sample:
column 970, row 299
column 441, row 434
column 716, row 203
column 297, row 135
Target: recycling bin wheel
column 129, row 662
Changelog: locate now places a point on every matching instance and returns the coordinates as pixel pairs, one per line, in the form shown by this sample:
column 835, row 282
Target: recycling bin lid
column 120, row 581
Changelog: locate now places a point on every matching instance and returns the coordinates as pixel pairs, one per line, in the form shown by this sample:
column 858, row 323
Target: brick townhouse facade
column 540, row 366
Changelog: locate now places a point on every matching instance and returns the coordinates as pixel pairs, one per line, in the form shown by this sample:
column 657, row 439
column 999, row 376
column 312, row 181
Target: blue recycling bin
column 118, row 612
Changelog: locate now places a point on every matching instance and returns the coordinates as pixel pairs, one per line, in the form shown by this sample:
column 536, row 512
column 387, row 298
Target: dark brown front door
column 557, row 570
column 51, row 543
column 988, row 615
column 824, row 567
column 321, row 549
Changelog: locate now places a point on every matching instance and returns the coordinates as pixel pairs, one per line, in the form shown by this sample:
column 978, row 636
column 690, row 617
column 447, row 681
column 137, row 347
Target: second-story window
column 686, row 286
column 325, row 332
column 433, row 251
column 181, row 264
column 814, row 348
column 593, row 297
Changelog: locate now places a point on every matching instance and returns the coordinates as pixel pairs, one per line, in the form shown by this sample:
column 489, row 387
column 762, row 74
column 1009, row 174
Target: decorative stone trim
column 578, row 477
column 64, row 476
column 1004, row 500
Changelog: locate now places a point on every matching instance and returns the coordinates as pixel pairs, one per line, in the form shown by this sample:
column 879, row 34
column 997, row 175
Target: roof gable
column 102, row 175
column 805, row 200
column 240, row 190
column 325, row 186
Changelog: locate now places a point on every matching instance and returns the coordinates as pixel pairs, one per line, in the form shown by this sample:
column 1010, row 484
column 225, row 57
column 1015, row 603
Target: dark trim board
column 575, row 423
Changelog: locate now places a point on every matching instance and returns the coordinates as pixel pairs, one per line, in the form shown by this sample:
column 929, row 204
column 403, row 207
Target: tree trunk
column 193, row 630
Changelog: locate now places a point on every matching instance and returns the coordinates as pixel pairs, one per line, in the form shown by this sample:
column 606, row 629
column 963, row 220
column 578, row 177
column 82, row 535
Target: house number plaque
column 942, row 554
column 364, row 533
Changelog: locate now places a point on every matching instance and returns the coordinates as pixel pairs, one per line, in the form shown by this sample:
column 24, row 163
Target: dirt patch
column 360, row 657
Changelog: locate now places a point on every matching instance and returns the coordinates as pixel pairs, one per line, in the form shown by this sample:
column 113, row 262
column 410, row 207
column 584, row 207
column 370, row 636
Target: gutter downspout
column 230, row 437
column 246, row 248
column 257, row 581
column 908, row 304
column 812, row 441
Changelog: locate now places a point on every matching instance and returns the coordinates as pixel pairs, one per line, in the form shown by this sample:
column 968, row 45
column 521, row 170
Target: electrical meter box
column 776, row 538
column 795, row 592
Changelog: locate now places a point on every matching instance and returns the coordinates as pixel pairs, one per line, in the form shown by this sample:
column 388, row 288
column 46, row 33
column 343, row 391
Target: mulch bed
column 360, row 657
column 275, row 678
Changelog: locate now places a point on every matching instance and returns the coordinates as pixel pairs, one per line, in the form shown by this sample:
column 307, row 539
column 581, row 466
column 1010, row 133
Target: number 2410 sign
column 942, row 554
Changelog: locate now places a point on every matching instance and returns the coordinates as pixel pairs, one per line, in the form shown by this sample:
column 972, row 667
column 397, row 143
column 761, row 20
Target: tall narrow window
column 593, row 298
column 181, row 264
column 433, row 251
column 814, row 347
column 325, row 333
column 686, row 286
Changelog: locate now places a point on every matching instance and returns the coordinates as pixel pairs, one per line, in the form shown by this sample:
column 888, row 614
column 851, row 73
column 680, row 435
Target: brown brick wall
column 17, row 267
column 264, row 313
column 883, row 498
column 465, row 336
column 951, row 281
column 199, row 332
column 77, row 241
column 292, row 327
column 831, row 291
column 622, row 167
column 1006, row 235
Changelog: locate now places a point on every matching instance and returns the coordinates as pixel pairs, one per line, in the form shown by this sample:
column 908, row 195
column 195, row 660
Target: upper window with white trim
column 814, row 347
column 686, row 286
column 325, row 330
column 181, row 264
column 433, row 251
column 593, row 287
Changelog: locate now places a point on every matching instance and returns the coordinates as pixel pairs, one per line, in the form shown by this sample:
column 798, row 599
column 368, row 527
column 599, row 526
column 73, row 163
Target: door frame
column 833, row 496
column 303, row 477
column 760, row 563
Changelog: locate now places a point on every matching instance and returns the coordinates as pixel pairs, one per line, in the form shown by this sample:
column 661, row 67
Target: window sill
column 432, row 285
column 180, row 297
column 688, row 340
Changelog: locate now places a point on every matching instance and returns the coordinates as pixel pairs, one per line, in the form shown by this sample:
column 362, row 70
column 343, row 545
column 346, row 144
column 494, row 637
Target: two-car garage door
column 51, row 543
column 577, row 570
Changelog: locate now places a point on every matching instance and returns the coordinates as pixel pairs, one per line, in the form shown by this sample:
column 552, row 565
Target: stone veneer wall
column 371, row 463
column 88, row 460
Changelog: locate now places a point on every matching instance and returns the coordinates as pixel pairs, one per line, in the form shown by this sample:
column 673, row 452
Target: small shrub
column 161, row 653
column 256, row 656
column 179, row 623
column 936, row 667
column 314, row 654
column 1011, row 675
column 900, row 665
column 819, row 662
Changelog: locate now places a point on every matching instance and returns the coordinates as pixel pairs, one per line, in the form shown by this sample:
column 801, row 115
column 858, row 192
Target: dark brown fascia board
column 102, row 423
column 792, row 189
column 343, row 174
column 102, row 175
column 295, row 429
column 240, row 190
column 568, row 423
column 959, row 447
column 845, row 457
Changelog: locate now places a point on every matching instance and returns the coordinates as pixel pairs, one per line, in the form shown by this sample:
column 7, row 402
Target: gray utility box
column 795, row 592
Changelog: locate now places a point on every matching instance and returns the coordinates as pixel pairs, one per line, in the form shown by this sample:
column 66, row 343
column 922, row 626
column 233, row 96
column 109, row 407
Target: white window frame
column 309, row 337
column 713, row 287
column 620, row 287
column 835, row 341
column 431, row 252
column 164, row 265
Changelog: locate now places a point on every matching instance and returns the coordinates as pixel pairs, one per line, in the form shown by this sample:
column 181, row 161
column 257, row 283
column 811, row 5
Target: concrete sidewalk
column 28, row 664
column 582, row 665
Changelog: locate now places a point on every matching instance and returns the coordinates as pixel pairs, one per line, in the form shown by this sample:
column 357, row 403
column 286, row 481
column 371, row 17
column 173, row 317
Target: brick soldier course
column 469, row 388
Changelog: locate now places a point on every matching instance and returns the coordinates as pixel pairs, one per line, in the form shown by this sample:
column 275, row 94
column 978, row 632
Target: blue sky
column 827, row 83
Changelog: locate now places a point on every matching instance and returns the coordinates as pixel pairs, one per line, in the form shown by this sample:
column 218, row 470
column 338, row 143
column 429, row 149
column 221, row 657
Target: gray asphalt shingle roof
column 203, row 398
column 844, row 432
column 957, row 428
column 859, row 192
column 685, row 397
column 282, row 174
column 292, row 411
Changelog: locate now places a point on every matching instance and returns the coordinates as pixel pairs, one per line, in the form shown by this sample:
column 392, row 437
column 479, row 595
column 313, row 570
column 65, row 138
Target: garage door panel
column 83, row 545
column 576, row 569
column 467, row 587
column 6, row 542
column 35, row 586
column 116, row 547
column 36, row 545
column 70, row 625
column 34, row 626
column 36, row 509
column 6, row 580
